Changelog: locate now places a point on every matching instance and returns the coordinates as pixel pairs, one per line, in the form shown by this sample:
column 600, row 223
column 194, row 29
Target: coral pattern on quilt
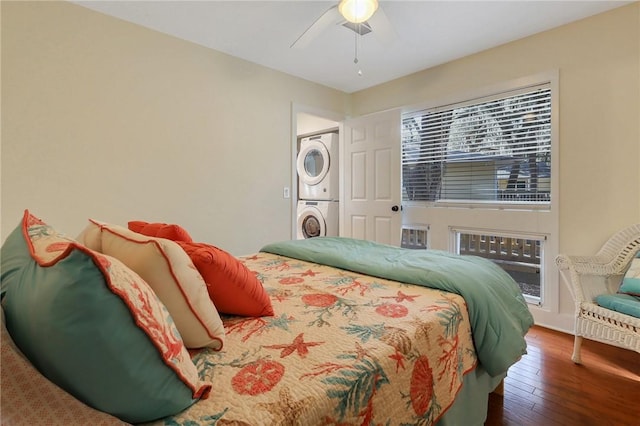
column 342, row 349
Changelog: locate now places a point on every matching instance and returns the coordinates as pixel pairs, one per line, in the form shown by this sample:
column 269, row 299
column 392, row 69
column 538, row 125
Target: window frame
column 491, row 95
column 501, row 218
column 542, row 239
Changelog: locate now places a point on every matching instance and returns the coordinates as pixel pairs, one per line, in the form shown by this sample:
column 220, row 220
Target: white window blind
column 494, row 149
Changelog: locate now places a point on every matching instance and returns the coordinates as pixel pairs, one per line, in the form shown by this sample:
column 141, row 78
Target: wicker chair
column 589, row 276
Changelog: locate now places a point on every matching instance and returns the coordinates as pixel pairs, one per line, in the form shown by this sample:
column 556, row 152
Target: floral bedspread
column 342, row 349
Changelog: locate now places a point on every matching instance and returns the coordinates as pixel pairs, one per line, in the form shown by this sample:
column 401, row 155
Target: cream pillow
column 171, row 274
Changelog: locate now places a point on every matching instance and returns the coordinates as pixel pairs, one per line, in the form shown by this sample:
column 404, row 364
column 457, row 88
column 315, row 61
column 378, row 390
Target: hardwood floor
column 546, row 388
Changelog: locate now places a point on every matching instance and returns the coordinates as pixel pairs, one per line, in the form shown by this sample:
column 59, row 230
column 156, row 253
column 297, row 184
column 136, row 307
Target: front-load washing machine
column 317, row 219
column 317, row 166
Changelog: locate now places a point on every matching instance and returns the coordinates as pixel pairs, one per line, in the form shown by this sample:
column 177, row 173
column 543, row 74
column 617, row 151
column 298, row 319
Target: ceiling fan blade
column 381, row 27
column 329, row 17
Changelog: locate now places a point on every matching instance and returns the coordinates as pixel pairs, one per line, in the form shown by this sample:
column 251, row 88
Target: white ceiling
column 428, row 33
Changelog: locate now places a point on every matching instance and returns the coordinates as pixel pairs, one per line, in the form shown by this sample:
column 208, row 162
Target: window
column 479, row 172
column 414, row 237
column 519, row 256
column 495, row 149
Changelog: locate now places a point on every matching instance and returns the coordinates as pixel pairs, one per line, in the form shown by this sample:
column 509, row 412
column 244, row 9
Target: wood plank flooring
column 546, row 388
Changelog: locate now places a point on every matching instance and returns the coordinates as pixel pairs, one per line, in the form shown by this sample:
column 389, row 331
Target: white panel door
column 371, row 168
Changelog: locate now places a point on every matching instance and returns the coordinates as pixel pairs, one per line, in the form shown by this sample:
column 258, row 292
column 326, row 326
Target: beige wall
column 599, row 66
column 105, row 119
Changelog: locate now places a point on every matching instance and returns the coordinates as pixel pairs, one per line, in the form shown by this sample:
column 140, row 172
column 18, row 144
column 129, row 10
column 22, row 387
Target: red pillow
column 160, row 230
column 232, row 287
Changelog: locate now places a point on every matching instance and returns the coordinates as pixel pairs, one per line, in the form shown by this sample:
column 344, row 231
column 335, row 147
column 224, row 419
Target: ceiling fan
column 361, row 16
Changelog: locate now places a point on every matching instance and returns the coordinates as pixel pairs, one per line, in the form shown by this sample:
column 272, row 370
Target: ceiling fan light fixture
column 357, row 11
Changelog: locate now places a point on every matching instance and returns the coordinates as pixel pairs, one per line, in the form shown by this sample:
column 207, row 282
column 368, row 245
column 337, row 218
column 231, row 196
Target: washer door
column 311, row 223
column 313, row 162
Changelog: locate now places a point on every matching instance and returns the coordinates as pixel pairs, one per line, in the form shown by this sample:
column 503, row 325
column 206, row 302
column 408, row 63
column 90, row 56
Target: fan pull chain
column 355, row 59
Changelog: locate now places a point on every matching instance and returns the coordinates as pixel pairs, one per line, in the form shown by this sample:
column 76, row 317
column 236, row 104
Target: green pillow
column 94, row 327
column 631, row 280
column 623, row 303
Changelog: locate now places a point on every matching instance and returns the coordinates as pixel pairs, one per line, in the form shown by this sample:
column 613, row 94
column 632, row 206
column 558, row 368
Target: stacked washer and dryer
column 318, row 186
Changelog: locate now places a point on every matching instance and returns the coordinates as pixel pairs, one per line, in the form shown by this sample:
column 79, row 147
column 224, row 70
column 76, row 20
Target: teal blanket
column 498, row 313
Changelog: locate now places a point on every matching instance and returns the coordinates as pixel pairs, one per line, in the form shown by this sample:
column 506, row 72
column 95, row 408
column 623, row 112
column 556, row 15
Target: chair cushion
column 623, row 303
column 631, row 280
column 94, row 327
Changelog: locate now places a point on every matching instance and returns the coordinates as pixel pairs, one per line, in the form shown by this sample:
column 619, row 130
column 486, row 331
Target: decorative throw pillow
column 631, row 280
column 91, row 237
column 161, row 230
column 173, row 277
column 93, row 327
column 233, row 288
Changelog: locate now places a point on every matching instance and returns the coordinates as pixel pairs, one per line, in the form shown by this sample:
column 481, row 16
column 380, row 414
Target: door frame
column 322, row 114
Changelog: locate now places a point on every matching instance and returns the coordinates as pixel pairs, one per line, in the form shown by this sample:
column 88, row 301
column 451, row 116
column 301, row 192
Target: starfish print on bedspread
column 401, row 297
column 287, row 411
column 308, row 273
column 399, row 359
column 298, row 345
column 279, row 294
column 360, row 352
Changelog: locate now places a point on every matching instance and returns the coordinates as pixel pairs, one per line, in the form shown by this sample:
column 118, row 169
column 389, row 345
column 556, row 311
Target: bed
column 361, row 333
column 347, row 348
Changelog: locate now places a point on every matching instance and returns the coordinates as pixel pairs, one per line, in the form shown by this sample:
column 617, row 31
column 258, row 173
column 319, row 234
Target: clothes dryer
column 317, row 166
column 317, row 219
